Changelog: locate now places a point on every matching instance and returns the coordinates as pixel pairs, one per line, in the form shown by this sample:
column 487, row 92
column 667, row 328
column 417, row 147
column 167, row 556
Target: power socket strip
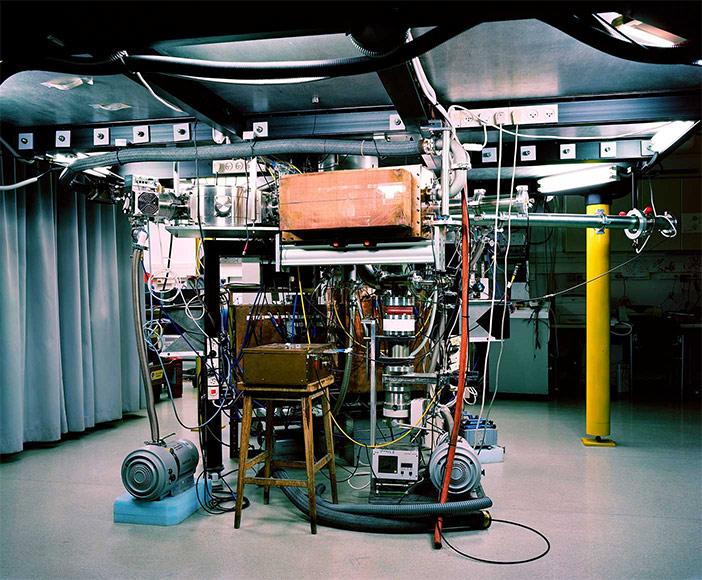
column 527, row 115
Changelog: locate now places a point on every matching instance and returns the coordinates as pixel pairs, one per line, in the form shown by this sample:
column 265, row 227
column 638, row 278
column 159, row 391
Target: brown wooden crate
column 360, row 199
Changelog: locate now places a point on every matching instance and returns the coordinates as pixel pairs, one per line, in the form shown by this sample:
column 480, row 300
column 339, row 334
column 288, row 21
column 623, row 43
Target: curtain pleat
column 68, row 351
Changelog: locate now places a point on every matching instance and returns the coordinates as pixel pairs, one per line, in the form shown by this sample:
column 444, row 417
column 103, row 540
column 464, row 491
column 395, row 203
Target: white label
column 398, row 324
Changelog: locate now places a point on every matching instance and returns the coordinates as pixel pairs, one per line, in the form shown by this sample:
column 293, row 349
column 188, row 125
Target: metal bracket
column 605, row 221
column 641, row 227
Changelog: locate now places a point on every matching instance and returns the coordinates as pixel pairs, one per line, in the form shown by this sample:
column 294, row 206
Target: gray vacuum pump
column 155, row 471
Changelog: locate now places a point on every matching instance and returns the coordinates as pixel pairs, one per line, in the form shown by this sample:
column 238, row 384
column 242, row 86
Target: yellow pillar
column 597, row 334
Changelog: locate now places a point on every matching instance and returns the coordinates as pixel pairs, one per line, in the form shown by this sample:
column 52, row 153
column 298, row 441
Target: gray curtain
column 67, row 352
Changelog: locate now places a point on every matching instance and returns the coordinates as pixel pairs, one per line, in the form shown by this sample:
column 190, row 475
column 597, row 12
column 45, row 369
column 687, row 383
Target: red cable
column 462, row 360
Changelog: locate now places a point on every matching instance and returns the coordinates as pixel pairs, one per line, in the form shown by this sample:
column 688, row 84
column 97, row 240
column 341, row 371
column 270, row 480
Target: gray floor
column 630, row 512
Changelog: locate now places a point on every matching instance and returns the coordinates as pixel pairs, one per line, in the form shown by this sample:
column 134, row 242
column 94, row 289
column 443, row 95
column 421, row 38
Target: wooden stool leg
column 329, row 438
column 309, row 460
column 270, row 442
column 243, row 457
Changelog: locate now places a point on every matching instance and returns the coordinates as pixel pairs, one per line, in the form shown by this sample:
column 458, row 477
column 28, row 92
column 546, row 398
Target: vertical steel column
column 212, row 446
column 597, row 415
column 373, row 386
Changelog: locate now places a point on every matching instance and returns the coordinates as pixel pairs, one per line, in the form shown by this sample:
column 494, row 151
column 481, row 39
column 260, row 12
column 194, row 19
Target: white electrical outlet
column 63, row 139
column 225, row 166
column 527, row 153
column 567, row 151
column 502, row 117
column 608, row 149
column 489, row 155
column 181, row 132
column 25, row 141
column 140, row 134
column 528, row 115
column 101, row 136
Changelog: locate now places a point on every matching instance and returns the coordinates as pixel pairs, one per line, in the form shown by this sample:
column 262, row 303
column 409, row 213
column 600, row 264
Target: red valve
column 622, row 213
column 648, row 210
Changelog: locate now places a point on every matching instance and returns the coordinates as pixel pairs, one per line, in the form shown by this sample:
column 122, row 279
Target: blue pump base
column 168, row 511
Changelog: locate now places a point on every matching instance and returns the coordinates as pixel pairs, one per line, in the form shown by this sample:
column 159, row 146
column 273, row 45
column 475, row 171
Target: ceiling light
column 670, row 134
column 579, row 179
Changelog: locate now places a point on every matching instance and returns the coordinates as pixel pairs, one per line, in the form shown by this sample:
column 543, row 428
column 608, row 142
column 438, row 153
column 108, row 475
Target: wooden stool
column 274, row 396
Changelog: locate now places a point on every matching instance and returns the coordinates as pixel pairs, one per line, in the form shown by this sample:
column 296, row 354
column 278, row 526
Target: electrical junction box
column 395, row 464
column 286, row 365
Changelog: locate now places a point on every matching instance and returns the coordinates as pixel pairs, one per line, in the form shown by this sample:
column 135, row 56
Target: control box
column 395, row 464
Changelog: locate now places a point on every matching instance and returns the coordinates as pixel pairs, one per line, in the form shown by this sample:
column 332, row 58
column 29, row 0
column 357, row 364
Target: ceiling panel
column 527, row 59
column 357, row 91
column 25, row 102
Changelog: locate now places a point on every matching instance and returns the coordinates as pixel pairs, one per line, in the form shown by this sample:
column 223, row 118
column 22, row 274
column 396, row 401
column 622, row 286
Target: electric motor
column 154, row 471
column 466, row 470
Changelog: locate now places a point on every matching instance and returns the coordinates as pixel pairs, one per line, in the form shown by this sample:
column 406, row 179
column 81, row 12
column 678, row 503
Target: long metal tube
column 568, row 220
column 373, row 386
column 137, row 290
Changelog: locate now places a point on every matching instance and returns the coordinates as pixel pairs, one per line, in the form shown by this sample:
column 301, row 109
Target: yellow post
column 597, row 334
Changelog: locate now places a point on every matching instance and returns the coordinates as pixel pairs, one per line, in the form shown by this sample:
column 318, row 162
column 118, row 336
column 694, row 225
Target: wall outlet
column 229, row 166
column 528, row 115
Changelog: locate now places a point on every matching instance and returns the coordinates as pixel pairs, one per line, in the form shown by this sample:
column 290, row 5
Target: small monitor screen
column 387, row 464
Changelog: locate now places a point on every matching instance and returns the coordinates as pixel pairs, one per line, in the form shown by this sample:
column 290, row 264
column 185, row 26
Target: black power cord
column 504, row 562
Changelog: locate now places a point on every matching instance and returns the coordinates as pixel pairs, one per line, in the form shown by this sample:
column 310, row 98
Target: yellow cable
column 387, row 443
column 302, row 300
column 341, row 325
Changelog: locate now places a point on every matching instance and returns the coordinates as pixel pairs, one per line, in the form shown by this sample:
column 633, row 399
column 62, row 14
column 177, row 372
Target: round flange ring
column 634, row 233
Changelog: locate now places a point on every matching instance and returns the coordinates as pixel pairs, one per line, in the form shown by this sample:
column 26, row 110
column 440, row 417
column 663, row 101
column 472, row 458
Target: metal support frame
column 402, row 89
column 212, row 446
column 371, row 323
column 401, row 253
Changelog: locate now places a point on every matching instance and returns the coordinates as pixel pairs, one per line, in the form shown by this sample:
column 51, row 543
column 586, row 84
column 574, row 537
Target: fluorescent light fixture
column 292, row 81
column 579, row 179
column 648, row 35
column 641, row 33
column 670, row 134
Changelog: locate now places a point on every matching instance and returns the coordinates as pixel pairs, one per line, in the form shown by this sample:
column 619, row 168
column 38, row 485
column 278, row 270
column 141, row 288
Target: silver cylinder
column 153, row 471
column 466, row 469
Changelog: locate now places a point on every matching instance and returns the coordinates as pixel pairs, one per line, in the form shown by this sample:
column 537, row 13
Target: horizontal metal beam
column 223, row 232
column 409, row 253
column 320, row 123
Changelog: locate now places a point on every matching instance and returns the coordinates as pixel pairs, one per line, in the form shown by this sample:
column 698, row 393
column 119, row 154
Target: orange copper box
column 356, row 201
